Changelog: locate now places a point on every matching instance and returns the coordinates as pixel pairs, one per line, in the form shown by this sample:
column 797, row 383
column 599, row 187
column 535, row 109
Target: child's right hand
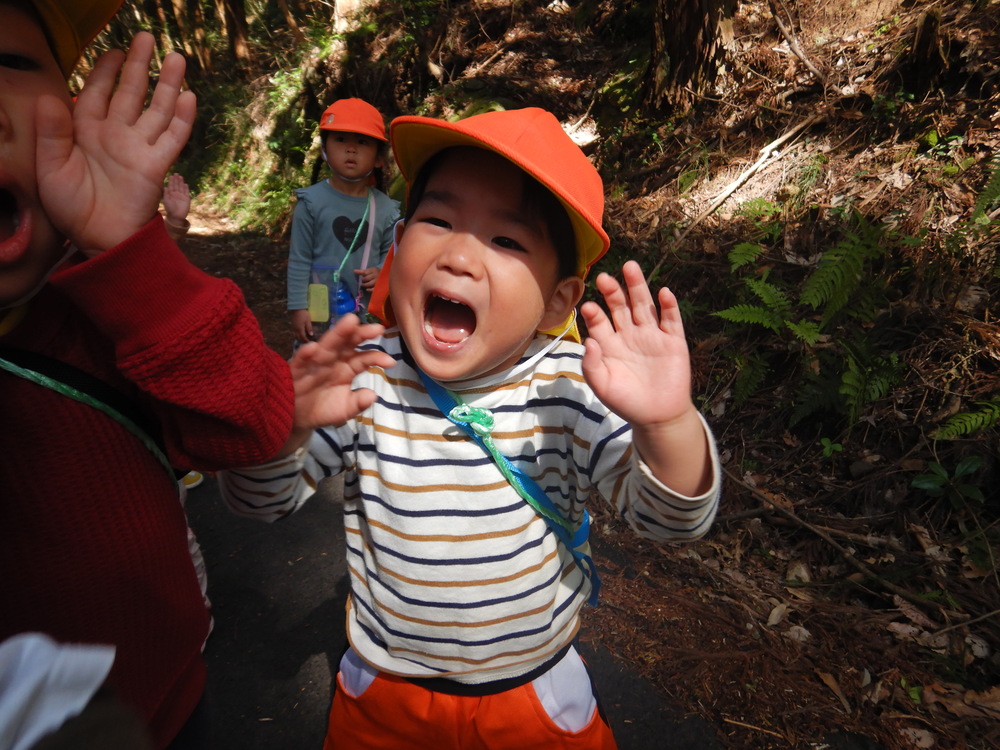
column 323, row 372
column 302, row 327
column 101, row 167
column 176, row 198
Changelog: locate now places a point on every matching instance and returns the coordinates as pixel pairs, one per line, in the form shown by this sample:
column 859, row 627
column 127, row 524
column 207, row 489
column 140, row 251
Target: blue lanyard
column 478, row 424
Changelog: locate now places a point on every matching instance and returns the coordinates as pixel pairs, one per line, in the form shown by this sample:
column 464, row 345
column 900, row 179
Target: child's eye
column 508, row 244
column 17, row 62
column 434, row 221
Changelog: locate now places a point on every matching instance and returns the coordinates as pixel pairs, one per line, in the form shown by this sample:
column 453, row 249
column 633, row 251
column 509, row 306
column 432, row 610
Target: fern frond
column 751, row 373
column 968, row 423
column 770, row 295
column 805, row 330
column 752, row 314
column 841, row 270
column 743, row 254
column 990, row 193
column 814, row 395
column 862, row 384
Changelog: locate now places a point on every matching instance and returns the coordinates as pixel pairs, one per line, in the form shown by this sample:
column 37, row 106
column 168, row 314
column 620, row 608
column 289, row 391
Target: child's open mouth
column 447, row 320
column 9, row 218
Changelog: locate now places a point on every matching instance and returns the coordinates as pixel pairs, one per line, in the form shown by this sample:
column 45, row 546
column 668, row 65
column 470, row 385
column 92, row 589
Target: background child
column 333, row 219
column 176, row 204
column 465, row 598
column 118, row 360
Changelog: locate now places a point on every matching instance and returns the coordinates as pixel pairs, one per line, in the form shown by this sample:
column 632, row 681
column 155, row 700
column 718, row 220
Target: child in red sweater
column 94, row 545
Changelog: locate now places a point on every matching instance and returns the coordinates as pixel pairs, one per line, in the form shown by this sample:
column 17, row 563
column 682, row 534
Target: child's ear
column 567, row 293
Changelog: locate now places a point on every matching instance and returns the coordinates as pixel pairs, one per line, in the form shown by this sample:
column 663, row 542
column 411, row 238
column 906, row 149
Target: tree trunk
column 292, row 23
column 234, row 17
column 689, row 41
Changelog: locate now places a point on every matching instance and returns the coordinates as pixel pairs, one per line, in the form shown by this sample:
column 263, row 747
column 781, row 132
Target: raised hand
column 101, row 167
column 637, row 360
column 177, row 199
column 637, row 363
column 323, row 372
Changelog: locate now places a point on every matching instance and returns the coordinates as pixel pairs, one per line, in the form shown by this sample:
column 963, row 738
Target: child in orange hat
column 119, row 360
column 469, row 463
column 342, row 226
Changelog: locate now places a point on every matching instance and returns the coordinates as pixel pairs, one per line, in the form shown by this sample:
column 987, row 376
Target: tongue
column 450, row 322
column 8, row 216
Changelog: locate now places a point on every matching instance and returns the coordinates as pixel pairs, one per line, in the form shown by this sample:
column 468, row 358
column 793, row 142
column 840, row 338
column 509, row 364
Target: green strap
column 40, row 378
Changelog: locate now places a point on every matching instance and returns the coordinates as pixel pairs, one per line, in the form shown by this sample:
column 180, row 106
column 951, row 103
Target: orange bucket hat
column 533, row 140
column 72, row 24
column 353, row 116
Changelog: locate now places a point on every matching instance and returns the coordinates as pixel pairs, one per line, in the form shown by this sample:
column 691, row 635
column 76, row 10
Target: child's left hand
column 101, row 167
column 637, row 361
column 323, row 373
column 367, row 277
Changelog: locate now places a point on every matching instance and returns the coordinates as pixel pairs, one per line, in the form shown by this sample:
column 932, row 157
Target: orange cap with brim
column 533, row 140
column 353, row 116
column 72, row 24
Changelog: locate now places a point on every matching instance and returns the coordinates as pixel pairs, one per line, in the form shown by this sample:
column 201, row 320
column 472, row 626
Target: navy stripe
column 445, row 512
column 598, row 450
column 464, row 605
column 464, row 642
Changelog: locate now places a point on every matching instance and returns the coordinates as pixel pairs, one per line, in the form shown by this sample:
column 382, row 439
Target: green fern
column 753, row 315
column 751, row 371
column 990, row 194
column 841, row 270
column 743, row 254
column 805, row 330
column 862, row 384
column 814, row 395
column 770, row 295
column 968, row 423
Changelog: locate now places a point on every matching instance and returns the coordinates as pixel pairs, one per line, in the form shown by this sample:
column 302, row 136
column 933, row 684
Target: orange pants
column 395, row 714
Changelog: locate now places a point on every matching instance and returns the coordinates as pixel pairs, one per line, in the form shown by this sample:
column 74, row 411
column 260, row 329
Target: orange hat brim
column 72, row 25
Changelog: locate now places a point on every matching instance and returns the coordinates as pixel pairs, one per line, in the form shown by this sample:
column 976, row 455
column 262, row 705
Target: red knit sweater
column 93, row 546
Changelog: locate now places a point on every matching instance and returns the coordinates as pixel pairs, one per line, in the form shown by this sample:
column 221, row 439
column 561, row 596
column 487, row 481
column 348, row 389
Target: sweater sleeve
column 653, row 510
column 300, row 253
column 191, row 346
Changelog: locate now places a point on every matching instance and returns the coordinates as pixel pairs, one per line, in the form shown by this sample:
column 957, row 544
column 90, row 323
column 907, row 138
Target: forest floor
column 805, row 610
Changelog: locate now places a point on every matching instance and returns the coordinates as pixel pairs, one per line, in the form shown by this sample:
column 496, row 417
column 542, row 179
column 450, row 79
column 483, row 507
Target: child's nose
column 461, row 255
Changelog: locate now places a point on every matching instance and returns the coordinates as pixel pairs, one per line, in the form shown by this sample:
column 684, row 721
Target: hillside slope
column 839, row 591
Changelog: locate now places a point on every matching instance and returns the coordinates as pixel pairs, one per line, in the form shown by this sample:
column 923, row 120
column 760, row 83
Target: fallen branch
column 794, row 45
column 851, row 559
column 765, row 156
column 751, row 726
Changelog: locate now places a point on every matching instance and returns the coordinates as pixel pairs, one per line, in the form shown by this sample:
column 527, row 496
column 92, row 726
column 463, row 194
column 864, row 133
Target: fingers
column 171, row 107
column 133, row 81
column 632, row 305
column 92, row 103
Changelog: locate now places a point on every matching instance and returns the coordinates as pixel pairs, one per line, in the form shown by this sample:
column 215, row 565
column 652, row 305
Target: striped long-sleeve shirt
column 452, row 573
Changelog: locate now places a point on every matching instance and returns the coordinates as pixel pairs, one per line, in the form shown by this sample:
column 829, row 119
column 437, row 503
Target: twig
column 751, row 726
column 864, row 569
column 974, row 620
column 794, row 45
column 765, row 156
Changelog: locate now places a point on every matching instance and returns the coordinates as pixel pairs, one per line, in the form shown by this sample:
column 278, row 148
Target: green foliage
column 841, row 271
column 743, row 254
column 964, row 424
column 751, row 370
column 819, row 321
column 830, row 447
column 989, row 195
column 955, row 487
column 866, row 380
column 765, row 215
